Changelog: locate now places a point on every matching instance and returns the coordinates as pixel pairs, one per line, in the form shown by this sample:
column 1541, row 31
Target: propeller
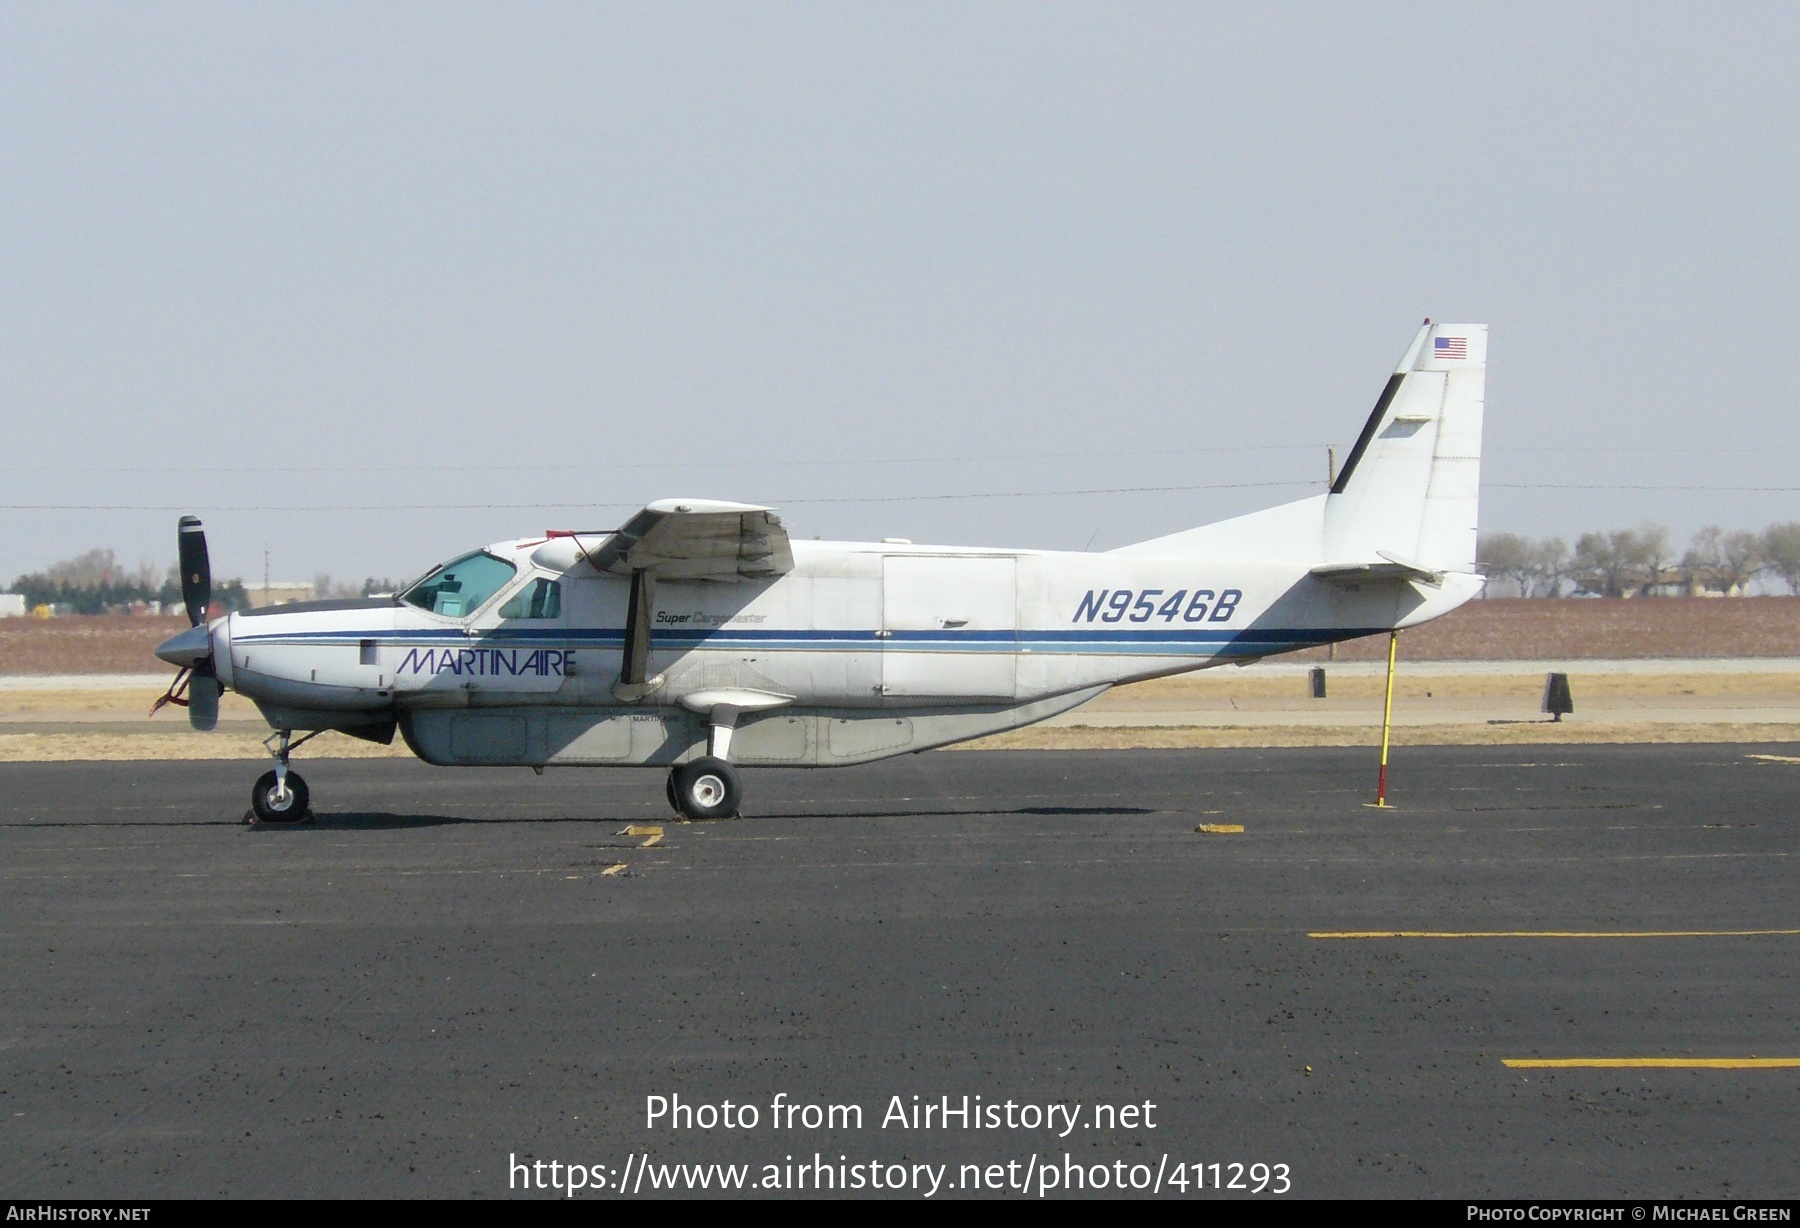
column 196, row 569
column 192, row 649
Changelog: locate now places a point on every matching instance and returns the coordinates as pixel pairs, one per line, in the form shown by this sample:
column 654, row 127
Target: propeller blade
column 203, row 697
column 196, row 570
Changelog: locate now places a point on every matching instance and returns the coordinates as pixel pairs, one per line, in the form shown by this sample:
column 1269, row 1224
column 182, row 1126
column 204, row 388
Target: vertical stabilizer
column 1410, row 487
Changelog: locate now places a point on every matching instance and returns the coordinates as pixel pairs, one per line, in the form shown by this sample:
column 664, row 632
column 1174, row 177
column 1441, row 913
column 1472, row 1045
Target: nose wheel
column 705, row 788
column 270, row 802
column 281, row 795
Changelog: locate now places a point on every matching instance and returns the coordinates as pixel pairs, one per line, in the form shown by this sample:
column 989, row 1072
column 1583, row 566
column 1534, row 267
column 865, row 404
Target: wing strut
column 639, row 614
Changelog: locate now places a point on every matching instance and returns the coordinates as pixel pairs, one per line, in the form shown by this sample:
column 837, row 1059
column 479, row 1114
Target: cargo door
column 949, row 626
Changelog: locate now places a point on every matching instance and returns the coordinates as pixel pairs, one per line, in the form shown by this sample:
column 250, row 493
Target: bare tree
column 93, row 570
column 1530, row 567
column 1722, row 562
column 1505, row 557
column 1656, row 558
column 1780, row 550
column 1742, row 559
column 1606, row 564
column 1549, row 567
column 1700, row 565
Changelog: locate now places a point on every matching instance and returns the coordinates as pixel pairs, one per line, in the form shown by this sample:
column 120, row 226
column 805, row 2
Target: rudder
column 1410, row 488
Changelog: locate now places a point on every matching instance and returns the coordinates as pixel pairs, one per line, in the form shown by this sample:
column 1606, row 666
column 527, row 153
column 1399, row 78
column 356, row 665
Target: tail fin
column 1405, row 503
column 1408, row 493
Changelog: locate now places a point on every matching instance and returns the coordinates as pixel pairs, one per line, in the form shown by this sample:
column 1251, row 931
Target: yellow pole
column 1387, row 719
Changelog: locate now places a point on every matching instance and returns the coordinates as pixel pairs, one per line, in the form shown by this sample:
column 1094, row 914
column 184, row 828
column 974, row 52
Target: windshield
column 460, row 586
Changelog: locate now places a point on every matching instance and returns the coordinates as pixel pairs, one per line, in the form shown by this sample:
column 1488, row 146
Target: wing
column 698, row 539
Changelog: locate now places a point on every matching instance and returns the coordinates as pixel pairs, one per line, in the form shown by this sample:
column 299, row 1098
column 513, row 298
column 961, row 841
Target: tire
column 669, row 791
column 270, row 809
column 706, row 788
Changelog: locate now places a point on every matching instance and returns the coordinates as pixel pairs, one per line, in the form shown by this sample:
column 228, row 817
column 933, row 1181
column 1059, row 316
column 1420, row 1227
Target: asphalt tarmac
column 450, row 970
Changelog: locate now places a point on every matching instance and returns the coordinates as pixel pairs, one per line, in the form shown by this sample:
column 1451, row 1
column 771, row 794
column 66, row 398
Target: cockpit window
column 459, row 587
column 540, row 599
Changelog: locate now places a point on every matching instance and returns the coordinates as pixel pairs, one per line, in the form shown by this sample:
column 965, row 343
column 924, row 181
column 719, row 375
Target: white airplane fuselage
column 878, row 650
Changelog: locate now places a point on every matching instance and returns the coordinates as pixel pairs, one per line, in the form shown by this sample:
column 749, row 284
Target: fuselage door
column 950, row 626
column 520, row 645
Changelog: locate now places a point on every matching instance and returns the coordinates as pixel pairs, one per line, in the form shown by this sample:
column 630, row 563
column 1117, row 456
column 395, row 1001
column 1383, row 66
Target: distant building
column 283, row 592
column 12, row 605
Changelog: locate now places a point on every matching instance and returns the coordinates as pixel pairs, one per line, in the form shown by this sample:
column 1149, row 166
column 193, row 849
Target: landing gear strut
column 281, row 796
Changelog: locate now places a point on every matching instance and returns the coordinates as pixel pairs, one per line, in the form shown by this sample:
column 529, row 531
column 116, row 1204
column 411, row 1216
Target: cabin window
column 461, row 586
column 540, row 599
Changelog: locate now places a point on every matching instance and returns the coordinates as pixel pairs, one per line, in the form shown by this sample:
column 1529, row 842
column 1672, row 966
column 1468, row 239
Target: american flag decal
column 1450, row 347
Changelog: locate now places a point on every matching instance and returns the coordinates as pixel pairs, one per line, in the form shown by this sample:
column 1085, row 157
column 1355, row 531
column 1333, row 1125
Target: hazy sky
column 363, row 284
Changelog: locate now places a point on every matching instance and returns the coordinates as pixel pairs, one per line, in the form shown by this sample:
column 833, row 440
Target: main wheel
column 270, row 807
column 706, row 788
column 669, row 789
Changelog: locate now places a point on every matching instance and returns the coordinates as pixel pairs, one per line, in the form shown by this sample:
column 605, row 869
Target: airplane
column 698, row 637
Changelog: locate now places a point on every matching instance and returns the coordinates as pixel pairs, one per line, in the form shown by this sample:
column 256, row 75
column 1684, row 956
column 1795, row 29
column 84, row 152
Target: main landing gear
column 708, row 787
column 281, row 796
column 705, row 788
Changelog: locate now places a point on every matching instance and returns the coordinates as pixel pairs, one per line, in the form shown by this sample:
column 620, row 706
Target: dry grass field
column 103, row 644
column 1610, row 628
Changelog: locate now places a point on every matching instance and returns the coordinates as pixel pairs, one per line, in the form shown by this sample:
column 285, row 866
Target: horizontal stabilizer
column 1386, row 568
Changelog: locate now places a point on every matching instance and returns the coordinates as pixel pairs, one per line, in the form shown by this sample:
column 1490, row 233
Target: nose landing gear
column 277, row 801
column 281, row 796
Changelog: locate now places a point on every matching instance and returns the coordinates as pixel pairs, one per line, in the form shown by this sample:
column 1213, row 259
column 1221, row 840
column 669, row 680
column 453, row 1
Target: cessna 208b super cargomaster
column 698, row 637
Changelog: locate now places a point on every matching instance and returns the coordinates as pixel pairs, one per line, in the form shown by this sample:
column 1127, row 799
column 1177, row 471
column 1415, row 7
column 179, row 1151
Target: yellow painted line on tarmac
column 1775, row 758
column 1653, row 1063
column 643, row 829
column 1220, row 829
column 1553, row 934
column 612, row 870
column 653, row 840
